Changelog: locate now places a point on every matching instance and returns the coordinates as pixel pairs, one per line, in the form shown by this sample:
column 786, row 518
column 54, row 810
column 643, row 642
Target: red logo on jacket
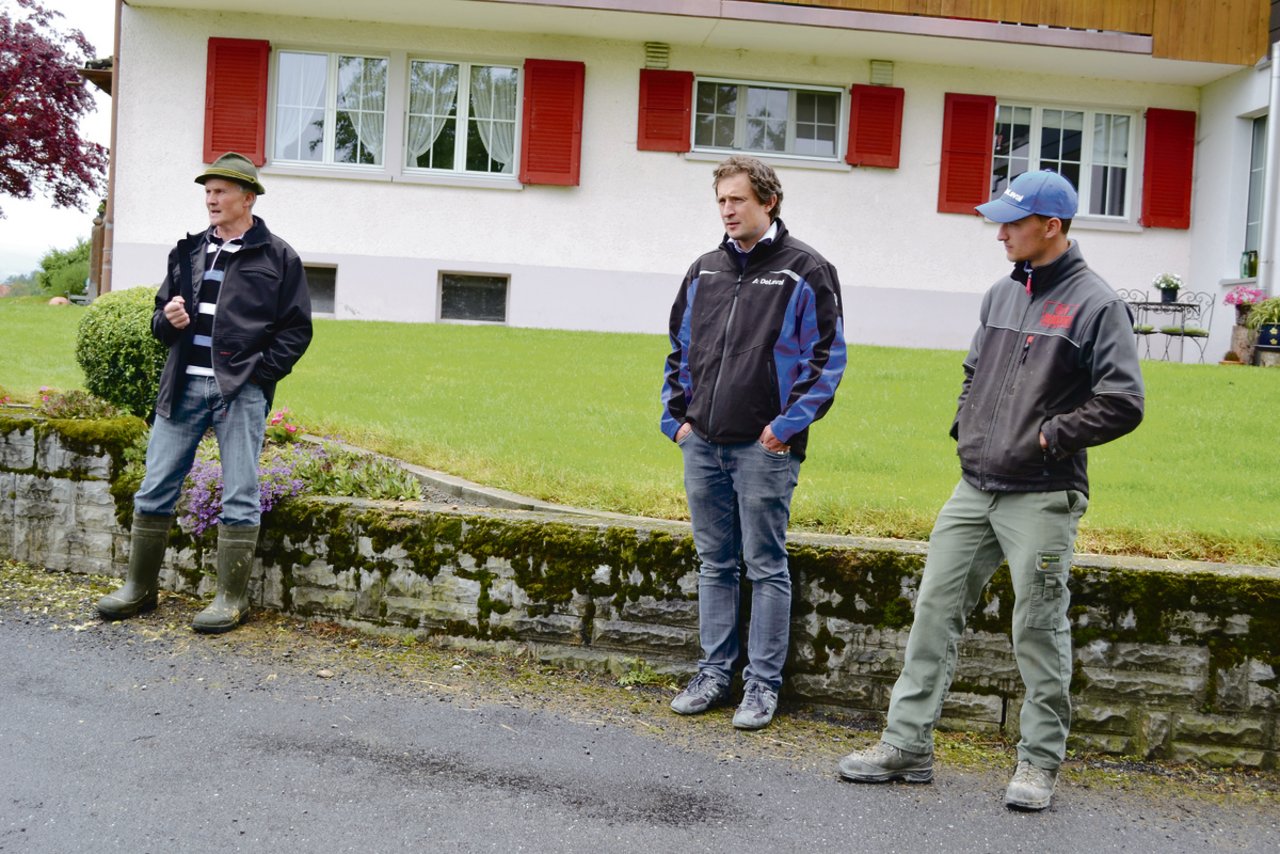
column 1058, row 315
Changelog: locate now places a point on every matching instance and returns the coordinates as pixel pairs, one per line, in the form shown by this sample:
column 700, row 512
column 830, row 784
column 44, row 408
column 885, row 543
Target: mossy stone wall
column 1172, row 659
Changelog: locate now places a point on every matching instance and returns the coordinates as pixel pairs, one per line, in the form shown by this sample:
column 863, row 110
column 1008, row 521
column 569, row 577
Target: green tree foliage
column 63, row 273
column 120, row 357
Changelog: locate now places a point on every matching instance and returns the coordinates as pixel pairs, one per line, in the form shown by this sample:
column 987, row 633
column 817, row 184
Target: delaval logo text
column 759, row 281
column 1011, row 194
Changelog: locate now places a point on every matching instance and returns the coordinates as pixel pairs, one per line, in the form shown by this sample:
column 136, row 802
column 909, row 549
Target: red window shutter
column 552, row 145
column 1167, row 168
column 968, row 122
column 875, row 126
column 235, row 99
column 666, row 100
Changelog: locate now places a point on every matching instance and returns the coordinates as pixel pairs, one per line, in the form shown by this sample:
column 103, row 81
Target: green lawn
column 572, row 417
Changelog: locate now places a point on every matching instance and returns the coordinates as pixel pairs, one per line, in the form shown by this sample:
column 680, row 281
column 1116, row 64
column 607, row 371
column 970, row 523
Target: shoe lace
column 704, row 682
column 753, row 696
column 1029, row 775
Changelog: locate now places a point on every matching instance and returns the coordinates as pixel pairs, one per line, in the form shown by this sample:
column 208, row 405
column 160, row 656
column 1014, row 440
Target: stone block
column 556, row 628
column 1242, row 688
column 1221, row 729
column 858, row 693
column 1187, row 660
column 642, row 638
column 1103, row 718
column 974, row 707
column 271, row 593
column 52, row 457
column 1220, row 755
column 1140, row 687
column 671, row 612
column 18, row 450
column 1100, row 742
column 320, row 602
column 317, row 573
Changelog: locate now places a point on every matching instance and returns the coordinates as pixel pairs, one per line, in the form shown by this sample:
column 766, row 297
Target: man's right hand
column 684, row 430
column 175, row 311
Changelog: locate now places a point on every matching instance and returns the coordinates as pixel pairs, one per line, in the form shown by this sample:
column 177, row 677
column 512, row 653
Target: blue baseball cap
column 1045, row 193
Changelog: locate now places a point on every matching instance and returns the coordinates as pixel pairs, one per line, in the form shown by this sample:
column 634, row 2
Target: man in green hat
column 235, row 313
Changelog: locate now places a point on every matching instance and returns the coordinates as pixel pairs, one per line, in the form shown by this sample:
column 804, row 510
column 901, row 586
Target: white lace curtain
column 300, row 106
column 433, row 90
column 363, row 96
column 493, row 102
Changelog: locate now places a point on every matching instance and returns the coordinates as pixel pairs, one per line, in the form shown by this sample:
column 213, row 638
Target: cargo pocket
column 1049, row 595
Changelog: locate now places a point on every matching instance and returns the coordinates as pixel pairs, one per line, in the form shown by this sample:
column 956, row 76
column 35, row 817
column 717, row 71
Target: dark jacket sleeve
column 1116, row 405
column 823, row 352
column 971, row 363
column 676, row 385
column 161, row 328
column 292, row 333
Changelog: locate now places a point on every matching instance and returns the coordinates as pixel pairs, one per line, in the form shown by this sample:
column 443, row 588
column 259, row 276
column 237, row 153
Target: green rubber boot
column 147, row 544
column 230, row 606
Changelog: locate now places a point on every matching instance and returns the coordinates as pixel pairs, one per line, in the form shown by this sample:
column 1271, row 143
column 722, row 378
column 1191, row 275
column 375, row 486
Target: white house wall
column 608, row 254
column 1223, row 150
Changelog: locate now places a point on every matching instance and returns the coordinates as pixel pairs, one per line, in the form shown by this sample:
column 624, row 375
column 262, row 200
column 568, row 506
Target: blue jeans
column 239, row 427
column 740, row 502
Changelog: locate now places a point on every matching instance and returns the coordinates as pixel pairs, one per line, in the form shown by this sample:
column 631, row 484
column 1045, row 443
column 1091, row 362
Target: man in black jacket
column 758, row 349
column 235, row 313
column 1053, row 370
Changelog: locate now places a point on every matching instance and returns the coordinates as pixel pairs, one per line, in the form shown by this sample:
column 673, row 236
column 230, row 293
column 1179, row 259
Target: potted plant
column 1244, row 299
column 1167, row 284
column 1264, row 323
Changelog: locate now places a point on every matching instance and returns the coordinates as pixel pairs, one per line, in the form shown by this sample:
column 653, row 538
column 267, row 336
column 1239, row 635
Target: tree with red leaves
column 41, row 101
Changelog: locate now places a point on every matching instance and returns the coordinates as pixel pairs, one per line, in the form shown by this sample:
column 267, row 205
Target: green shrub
column 63, row 273
column 120, row 358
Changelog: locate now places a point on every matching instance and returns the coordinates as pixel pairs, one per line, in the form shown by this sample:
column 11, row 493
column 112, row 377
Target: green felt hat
column 234, row 167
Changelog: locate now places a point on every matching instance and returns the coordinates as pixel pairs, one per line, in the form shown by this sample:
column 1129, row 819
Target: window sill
column 775, row 161
column 379, row 176
column 1081, row 223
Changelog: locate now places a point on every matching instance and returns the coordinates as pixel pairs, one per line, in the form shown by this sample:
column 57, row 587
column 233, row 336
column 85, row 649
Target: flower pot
column 1168, row 295
column 1268, row 337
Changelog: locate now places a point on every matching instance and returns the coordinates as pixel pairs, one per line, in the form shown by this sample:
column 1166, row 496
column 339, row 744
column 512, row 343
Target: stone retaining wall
column 1174, row 660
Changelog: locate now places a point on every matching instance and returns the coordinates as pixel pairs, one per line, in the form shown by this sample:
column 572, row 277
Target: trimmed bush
column 120, row 358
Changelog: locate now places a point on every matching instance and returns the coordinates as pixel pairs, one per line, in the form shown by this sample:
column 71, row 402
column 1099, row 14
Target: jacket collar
column 257, row 235
column 758, row 252
column 1045, row 277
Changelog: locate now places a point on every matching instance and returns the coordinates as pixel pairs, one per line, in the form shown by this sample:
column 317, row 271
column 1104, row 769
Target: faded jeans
column 239, row 427
column 740, row 502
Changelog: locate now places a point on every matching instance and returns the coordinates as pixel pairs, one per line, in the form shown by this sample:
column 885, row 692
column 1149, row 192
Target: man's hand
column 175, row 311
column 1044, row 443
column 771, row 442
column 685, row 429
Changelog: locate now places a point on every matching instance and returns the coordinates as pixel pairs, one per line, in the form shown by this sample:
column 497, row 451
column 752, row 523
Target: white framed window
column 330, row 108
column 1257, row 183
column 1093, row 149
column 461, row 117
column 768, row 118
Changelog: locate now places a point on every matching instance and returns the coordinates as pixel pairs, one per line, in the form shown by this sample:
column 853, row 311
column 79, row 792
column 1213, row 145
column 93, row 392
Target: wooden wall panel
column 1235, row 32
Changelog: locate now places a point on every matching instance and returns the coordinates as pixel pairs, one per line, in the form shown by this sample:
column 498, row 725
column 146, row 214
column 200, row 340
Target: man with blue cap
column 1052, row 370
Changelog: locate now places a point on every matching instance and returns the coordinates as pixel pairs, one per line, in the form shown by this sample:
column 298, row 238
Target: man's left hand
column 1044, row 443
column 771, row 442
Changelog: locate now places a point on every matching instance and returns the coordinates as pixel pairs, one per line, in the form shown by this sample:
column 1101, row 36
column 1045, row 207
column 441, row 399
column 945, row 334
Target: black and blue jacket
column 756, row 339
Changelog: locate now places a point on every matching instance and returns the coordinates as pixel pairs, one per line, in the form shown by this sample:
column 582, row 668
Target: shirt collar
column 769, row 237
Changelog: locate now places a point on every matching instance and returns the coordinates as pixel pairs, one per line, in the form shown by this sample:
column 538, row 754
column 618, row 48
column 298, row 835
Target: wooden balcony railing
column 1234, row 32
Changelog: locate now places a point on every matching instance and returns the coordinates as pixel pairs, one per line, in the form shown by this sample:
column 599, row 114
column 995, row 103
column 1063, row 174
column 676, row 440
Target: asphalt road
column 128, row 737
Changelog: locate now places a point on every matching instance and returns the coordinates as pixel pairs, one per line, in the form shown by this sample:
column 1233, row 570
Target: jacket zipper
column 724, row 348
